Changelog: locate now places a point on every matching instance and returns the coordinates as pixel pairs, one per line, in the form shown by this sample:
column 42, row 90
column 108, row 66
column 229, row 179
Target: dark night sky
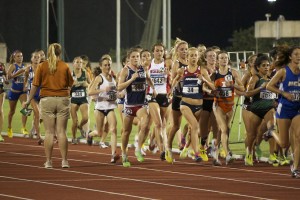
column 90, row 24
column 212, row 22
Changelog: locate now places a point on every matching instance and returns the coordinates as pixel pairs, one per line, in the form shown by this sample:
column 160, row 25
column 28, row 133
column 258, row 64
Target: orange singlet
column 225, row 95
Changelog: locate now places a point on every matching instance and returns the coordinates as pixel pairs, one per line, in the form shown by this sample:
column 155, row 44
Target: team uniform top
column 265, row 98
column 192, row 86
column 178, row 87
column 79, row 92
column 18, row 82
column 136, row 92
column 107, row 100
column 158, row 77
column 291, row 84
column 224, row 94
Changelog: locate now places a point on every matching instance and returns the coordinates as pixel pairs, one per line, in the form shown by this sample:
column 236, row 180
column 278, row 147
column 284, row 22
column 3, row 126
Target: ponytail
column 54, row 52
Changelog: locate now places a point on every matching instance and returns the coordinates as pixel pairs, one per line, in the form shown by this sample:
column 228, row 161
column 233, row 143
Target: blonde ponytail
column 54, row 52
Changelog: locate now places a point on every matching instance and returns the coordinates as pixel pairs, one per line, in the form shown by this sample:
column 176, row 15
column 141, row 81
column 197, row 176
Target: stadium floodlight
column 271, row 1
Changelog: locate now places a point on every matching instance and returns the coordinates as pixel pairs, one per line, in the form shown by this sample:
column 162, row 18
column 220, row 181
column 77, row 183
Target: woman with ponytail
column 54, row 78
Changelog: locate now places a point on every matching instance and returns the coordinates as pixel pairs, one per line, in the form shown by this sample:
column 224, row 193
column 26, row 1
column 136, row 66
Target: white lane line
column 173, row 172
column 14, row 197
column 137, row 180
column 74, row 187
column 180, row 162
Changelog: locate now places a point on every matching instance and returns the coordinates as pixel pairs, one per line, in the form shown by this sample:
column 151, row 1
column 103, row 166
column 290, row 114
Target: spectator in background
column 55, row 79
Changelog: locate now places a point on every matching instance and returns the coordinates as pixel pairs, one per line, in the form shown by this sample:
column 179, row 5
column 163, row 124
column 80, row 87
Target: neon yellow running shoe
column 203, row 154
column 184, row 153
column 273, row 160
column 24, row 131
column 284, row 161
column 10, row 133
column 169, row 156
column 1, row 138
column 125, row 161
column 249, row 160
column 139, row 156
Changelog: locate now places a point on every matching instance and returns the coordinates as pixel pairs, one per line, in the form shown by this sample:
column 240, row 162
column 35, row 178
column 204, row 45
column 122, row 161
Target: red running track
column 91, row 176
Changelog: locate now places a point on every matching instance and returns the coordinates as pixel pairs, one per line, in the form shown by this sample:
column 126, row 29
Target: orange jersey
column 225, row 94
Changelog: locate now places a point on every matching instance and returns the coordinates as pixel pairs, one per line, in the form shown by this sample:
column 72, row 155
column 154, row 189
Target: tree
column 244, row 40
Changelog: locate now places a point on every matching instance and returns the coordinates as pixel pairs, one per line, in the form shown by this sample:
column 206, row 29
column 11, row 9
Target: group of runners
column 156, row 87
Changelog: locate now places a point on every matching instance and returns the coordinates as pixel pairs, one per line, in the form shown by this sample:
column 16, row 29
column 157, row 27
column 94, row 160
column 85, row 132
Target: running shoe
column 48, row 164
column 10, row 133
column 294, row 172
column 143, row 150
column 139, row 156
column 249, row 160
column 82, row 132
column 197, row 157
column 229, row 159
column 74, row 141
column 184, row 153
column 65, row 164
column 208, row 151
column 1, row 138
column 191, row 153
column 273, row 160
column 203, row 154
column 283, row 161
column 216, row 162
column 125, row 161
column 114, row 158
column 40, row 141
column 169, row 156
column 24, row 131
column 89, row 140
column 102, row 145
column 162, row 156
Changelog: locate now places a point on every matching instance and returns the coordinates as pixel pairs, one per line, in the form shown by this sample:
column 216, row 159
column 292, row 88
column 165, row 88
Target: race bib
column 296, row 96
column 190, row 90
column 267, row 95
column 138, row 87
column 20, row 79
column 225, row 93
column 158, row 80
column 111, row 96
column 78, row 94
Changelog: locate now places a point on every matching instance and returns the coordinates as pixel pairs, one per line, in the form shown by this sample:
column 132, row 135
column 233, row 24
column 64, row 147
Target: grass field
column 237, row 134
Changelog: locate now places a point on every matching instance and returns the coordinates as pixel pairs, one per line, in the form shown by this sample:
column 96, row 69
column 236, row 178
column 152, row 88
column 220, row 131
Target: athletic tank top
column 158, row 77
column 80, row 91
column 265, row 98
column 291, row 84
column 192, row 86
column 18, row 82
column 107, row 100
column 136, row 91
column 224, row 94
